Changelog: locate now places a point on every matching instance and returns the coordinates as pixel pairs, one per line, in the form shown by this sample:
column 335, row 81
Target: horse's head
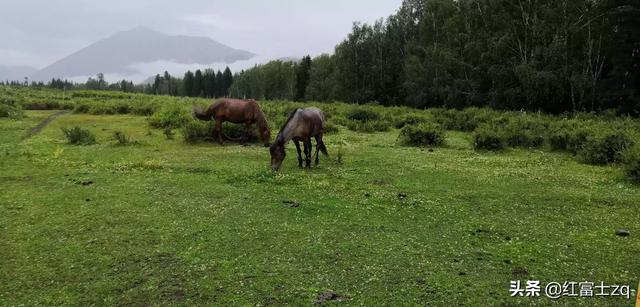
column 265, row 135
column 198, row 113
column 277, row 155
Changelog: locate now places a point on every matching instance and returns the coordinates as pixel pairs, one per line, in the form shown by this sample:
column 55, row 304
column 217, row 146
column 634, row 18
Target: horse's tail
column 322, row 147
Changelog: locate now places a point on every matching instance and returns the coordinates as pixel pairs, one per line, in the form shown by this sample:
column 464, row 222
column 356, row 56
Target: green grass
column 163, row 223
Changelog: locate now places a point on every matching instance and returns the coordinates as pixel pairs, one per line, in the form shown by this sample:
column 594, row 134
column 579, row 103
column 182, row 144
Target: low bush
column 632, row 163
column 79, row 136
column 196, row 131
column 170, row 115
column 145, row 109
column 528, row 132
column 489, row 137
column 411, row 119
column 103, row 109
column 369, row 126
column 81, row 108
column 330, row 128
column 605, row 146
column 423, row 135
column 466, row 120
column 12, row 111
column 363, row 115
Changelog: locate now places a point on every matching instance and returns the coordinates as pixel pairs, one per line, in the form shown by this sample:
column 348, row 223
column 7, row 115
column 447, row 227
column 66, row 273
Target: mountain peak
column 119, row 52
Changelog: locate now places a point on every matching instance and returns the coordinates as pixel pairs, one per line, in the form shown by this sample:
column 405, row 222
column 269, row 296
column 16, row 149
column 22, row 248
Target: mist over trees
column 549, row 55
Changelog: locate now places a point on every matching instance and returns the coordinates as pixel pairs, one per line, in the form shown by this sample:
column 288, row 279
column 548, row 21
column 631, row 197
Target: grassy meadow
column 160, row 220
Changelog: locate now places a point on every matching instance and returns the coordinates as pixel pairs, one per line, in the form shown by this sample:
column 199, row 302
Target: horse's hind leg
column 318, row 144
column 299, row 153
column 307, row 152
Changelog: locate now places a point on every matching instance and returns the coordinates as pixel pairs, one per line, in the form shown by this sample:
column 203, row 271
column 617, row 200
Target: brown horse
column 302, row 125
column 236, row 111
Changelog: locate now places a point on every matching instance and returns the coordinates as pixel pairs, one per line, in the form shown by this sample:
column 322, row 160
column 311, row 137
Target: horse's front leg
column 247, row 134
column 218, row 131
column 299, row 153
column 307, row 152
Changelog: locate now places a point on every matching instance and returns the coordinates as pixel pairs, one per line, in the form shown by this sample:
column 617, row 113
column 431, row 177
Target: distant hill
column 15, row 73
column 116, row 54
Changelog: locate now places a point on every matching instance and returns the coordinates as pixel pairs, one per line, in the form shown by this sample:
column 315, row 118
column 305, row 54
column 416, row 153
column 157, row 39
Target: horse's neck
column 289, row 129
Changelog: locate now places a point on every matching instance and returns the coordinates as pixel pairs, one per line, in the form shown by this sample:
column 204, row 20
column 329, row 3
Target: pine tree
column 187, row 84
column 198, row 84
column 227, row 78
column 303, row 72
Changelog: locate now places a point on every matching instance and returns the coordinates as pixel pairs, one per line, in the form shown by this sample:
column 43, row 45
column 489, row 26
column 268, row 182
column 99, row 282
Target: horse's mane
column 260, row 118
column 287, row 121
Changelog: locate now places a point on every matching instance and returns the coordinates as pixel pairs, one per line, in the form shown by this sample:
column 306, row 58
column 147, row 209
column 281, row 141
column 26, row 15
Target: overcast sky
column 39, row 32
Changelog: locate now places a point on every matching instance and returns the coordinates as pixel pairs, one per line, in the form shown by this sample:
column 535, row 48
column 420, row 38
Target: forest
column 538, row 55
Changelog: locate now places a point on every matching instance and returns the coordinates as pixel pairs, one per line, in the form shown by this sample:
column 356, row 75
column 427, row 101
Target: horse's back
column 315, row 118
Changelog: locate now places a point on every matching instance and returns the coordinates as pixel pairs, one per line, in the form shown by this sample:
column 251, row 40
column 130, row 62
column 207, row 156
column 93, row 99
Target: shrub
column 605, row 146
column 363, row 115
column 145, row 109
column 330, row 128
column 423, row 135
column 523, row 131
column 489, row 137
column 411, row 119
column 632, row 163
column 123, row 108
column 170, row 115
column 195, row 131
column 79, row 136
column 5, row 110
column 81, row 108
column 369, row 126
column 11, row 111
column 466, row 120
column 102, row 109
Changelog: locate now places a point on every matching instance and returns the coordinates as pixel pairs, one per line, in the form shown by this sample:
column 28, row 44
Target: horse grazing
column 302, row 125
column 236, row 111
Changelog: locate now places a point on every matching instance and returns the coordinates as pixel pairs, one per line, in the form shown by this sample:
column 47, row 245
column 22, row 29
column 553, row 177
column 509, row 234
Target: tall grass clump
column 423, row 135
column 79, row 136
column 122, row 139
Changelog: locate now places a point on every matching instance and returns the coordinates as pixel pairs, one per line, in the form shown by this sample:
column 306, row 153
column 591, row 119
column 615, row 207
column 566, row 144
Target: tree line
column 548, row 55
column 206, row 84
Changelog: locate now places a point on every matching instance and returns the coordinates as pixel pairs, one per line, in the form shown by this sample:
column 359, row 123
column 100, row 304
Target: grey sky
column 39, row 32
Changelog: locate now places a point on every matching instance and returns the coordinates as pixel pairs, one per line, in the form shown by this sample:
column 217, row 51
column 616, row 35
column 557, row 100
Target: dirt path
column 35, row 130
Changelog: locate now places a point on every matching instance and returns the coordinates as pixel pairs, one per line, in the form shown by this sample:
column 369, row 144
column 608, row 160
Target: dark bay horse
column 236, row 111
column 302, row 125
